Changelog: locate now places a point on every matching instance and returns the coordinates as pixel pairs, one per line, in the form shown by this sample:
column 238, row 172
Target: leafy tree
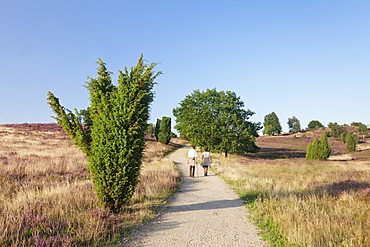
column 294, row 125
column 216, row 119
column 314, row 124
column 271, row 124
column 164, row 135
column 319, row 149
column 113, row 139
column 362, row 130
column 157, row 128
column 351, row 142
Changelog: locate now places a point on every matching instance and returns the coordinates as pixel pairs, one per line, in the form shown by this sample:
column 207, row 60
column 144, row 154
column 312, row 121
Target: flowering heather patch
column 339, row 188
column 45, row 127
column 47, row 198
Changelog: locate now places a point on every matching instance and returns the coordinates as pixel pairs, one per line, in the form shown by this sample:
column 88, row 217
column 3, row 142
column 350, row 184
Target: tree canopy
column 217, row 120
column 314, row 124
column 271, row 124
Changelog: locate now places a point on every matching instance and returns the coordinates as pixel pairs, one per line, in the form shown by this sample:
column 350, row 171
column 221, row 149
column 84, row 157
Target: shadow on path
column 218, row 204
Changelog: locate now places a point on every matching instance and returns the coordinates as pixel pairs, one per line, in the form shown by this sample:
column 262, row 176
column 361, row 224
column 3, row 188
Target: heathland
column 299, row 202
column 47, row 198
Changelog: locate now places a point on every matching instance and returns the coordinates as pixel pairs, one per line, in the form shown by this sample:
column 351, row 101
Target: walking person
column 206, row 161
column 192, row 160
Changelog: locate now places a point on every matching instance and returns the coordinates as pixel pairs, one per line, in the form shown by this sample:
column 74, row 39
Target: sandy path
column 204, row 212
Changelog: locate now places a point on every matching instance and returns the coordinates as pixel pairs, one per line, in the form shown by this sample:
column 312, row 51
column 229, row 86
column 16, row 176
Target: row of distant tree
column 271, row 125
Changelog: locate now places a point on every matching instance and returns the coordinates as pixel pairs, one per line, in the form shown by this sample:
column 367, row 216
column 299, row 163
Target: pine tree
column 114, row 140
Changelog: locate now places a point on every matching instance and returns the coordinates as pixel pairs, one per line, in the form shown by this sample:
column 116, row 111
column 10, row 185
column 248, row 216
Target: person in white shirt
column 206, row 161
column 192, row 160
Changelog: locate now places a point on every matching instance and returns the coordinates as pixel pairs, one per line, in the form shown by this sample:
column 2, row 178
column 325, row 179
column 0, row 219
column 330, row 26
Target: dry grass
column 47, row 199
column 304, row 203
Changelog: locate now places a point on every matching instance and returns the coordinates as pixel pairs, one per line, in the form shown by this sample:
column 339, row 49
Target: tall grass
column 47, row 198
column 299, row 202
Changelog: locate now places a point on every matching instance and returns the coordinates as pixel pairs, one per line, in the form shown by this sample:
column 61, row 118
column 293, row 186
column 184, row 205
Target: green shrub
column 164, row 135
column 150, row 130
column 319, row 149
column 343, row 136
column 324, row 148
column 337, row 130
column 157, row 129
column 114, row 139
column 351, row 142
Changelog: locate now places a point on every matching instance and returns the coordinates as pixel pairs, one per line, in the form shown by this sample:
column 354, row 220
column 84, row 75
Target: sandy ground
column 204, row 212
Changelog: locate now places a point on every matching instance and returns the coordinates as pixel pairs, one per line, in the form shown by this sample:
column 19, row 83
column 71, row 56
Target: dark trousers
column 192, row 171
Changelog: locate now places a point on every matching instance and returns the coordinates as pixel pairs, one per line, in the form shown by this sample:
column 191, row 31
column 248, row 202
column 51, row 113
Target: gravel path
column 204, row 212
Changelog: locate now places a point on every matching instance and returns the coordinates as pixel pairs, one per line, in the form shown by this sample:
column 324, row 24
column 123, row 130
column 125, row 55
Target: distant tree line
column 318, row 149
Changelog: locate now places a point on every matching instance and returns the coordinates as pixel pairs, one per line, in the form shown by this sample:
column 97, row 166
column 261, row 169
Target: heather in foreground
column 48, row 199
column 300, row 202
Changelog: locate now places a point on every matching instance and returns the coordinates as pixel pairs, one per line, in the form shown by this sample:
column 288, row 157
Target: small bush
column 351, row 142
column 164, row 135
column 319, row 149
column 343, row 136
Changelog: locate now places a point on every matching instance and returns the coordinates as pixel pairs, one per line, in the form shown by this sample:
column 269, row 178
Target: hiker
column 206, row 161
column 192, row 160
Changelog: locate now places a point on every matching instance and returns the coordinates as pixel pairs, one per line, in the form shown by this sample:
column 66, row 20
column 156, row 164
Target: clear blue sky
column 309, row 59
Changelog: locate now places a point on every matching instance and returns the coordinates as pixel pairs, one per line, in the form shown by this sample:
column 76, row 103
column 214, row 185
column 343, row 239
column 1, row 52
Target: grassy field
column 304, row 203
column 47, row 198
